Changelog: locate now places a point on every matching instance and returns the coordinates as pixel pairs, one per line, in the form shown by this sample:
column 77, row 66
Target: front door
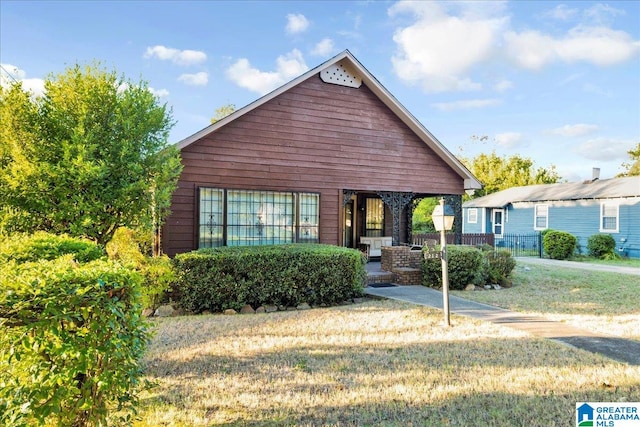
column 498, row 222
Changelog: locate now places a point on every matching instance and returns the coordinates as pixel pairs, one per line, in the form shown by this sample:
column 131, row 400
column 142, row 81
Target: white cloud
column 602, row 13
column 296, row 23
column 508, row 139
column 598, row 45
column 288, row 66
column 562, row 12
column 605, row 149
column 197, row 79
column 10, row 73
column 438, row 49
column 179, row 57
column 503, row 85
column 466, row 104
column 160, row 93
column 323, row 48
column 580, row 129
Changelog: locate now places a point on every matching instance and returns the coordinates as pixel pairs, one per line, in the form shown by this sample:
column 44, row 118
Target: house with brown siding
column 330, row 157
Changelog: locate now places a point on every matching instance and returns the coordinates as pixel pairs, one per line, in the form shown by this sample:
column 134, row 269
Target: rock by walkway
column 622, row 350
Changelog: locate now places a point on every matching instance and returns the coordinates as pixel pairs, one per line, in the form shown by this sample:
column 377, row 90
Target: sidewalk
column 622, row 350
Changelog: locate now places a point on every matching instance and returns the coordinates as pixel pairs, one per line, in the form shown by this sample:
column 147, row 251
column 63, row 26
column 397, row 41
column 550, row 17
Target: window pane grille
column 374, row 224
column 472, row 215
column 609, row 217
column 309, row 217
column 542, row 215
column 211, row 218
column 259, row 217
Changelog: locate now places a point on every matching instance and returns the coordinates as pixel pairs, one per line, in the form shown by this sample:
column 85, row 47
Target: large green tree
column 498, row 173
column 88, row 156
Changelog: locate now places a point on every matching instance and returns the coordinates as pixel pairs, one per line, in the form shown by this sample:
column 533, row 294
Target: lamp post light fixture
column 443, row 217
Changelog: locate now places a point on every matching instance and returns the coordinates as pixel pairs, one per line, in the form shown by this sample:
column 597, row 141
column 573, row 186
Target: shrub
column 45, row 246
column 559, row 244
column 465, row 266
column 282, row 275
column 72, row 337
column 157, row 271
column 498, row 267
column 600, row 245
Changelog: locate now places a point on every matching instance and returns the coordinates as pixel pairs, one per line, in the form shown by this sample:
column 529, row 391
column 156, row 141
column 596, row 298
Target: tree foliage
column 498, row 173
column 633, row 168
column 87, row 157
column 223, row 112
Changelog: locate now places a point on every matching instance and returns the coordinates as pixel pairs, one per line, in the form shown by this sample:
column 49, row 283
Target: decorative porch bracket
column 396, row 201
column 347, row 195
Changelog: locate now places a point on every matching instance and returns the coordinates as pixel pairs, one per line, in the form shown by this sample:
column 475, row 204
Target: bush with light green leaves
column 72, row 339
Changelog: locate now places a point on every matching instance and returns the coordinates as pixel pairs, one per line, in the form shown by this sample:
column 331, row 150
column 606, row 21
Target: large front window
column 246, row 217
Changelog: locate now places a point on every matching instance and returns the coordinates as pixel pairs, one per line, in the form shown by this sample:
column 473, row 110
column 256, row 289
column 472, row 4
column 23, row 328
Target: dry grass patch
column 375, row 363
column 607, row 303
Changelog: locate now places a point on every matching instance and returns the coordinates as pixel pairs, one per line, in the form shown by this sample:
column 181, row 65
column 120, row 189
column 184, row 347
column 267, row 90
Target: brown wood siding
column 315, row 137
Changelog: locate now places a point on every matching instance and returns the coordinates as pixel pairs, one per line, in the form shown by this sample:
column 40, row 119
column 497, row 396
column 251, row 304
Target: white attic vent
column 339, row 74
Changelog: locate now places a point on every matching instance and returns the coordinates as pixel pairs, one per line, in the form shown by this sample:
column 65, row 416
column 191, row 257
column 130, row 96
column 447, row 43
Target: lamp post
column 443, row 216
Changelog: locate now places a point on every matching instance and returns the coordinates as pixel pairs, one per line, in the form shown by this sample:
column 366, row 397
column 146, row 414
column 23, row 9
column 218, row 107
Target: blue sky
column 558, row 82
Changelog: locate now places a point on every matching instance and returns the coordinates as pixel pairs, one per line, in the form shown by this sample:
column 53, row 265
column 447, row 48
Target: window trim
column 536, row 215
column 604, row 205
column 475, row 215
column 298, row 227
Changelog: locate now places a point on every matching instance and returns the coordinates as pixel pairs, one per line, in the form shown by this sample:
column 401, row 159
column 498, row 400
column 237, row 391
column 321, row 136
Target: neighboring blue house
column 610, row 206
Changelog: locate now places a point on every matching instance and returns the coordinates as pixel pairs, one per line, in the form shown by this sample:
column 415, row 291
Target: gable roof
column 349, row 62
column 598, row 189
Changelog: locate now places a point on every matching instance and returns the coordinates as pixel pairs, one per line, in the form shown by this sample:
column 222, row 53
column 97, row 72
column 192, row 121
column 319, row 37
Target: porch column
column 396, row 201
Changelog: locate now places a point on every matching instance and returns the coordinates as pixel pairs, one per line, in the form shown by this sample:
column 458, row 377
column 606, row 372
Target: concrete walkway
column 622, row 350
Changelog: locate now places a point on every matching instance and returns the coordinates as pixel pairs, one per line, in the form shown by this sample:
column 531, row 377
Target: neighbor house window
column 472, row 215
column 251, row 217
column 609, row 218
column 374, row 214
column 541, row 217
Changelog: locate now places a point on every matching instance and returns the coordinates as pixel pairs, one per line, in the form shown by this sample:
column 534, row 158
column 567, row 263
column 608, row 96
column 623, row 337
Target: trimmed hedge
column 45, row 246
column 281, row 275
column 465, row 266
column 470, row 265
column 559, row 244
column 601, row 245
